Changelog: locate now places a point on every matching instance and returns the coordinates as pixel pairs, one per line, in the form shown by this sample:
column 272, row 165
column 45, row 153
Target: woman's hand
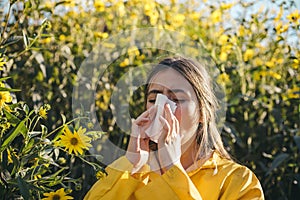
column 169, row 143
column 138, row 147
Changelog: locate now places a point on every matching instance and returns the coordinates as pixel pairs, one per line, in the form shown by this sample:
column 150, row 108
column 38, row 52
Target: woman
column 189, row 160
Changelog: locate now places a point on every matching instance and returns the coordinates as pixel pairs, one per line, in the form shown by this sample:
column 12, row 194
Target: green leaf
column 277, row 161
column 4, row 78
column 28, row 146
column 25, row 39
column 26, row 109
column 95, row 134
column 235, row 100
column 9, row 89
column 12, row 40
column 23, row 186
column 11, row 118
column 63, row 117
column 21, row 128
column 44, row 129
column 297, row 141
column 5, row 175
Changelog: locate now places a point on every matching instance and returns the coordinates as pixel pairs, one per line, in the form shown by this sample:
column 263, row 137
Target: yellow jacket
column 218, row 178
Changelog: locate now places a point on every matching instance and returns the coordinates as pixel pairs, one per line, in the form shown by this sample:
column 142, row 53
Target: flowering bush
column 34, row 161
column 43, row 43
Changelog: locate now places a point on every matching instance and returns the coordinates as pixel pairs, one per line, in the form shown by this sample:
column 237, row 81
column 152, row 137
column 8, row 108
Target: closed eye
column 178, row 100
column 151, row 100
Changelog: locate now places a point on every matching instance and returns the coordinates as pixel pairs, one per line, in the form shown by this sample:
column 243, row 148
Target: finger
column 134, row 129
column 142, row 121
column 166, row 128
column 148, row 114
column 172, row 121
column 176, row 130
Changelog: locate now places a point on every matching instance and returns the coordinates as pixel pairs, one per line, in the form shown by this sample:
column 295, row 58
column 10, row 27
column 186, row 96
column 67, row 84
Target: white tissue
column 153, row 132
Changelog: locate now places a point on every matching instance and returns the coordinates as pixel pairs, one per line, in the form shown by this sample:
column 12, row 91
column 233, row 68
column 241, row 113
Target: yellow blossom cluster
column 60, row 194
column 2, row 63
column 258, row 75
column 5, row 96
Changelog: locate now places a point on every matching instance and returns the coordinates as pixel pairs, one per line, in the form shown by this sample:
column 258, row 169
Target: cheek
column 187, row 116
column 187, row 112
column 148, row 105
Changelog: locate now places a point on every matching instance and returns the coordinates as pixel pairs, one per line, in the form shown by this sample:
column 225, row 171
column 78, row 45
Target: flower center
column 74, row 141
column 56, row 197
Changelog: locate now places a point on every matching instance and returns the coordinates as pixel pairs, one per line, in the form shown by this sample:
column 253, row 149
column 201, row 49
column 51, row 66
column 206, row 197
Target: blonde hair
column 208, row 136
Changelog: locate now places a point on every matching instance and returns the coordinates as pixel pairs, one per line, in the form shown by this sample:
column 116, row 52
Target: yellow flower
column 294, row 17
column 275, row 75
column 141, row 57
column 5, row 97
column 271, row 63
column 223, row 56
column 195, row 15
column 43, row 113
column 100, row 175
column 133, row 51
column 37, row 177
column 258, row 62
column 101, row 35
column 242, row 31
column 293, row 93
column 216, row 16
column 9, row 156
column 46, row 40
column 223, row 39
column 62, row 37
column 121, row 8
column 124, row 63
column 99, row 5
column 76, row 141
column 295, row 63
column 43, row 110
column 257, row 75
column 274, row 61
column 178, row 20
column 223, row 78
column 225, row 6
column 281, row 28
column 148, row 8
column 1, row 63
column 57, row 195
column 248, row 54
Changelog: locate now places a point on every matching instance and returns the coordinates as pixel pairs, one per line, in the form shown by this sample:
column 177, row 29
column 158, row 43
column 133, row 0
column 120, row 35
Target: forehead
column 171, row 79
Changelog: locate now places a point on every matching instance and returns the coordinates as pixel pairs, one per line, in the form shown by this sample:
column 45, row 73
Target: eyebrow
column 169, row 91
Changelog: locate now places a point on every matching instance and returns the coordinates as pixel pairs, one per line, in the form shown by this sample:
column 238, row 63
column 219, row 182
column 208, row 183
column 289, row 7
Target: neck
column 188, row 156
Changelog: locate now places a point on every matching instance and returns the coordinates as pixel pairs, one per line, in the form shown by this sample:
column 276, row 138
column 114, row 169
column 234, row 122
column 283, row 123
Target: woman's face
column 172, row 84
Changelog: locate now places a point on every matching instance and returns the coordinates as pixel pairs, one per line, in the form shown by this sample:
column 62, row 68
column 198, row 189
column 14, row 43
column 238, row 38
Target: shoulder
column 239, row 181
column 229, row 179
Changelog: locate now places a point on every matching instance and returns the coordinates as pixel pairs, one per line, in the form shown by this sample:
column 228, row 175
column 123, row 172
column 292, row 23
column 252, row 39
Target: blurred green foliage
column 43, row 44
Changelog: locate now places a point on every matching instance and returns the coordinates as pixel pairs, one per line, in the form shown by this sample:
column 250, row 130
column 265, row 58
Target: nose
column 167, row 92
